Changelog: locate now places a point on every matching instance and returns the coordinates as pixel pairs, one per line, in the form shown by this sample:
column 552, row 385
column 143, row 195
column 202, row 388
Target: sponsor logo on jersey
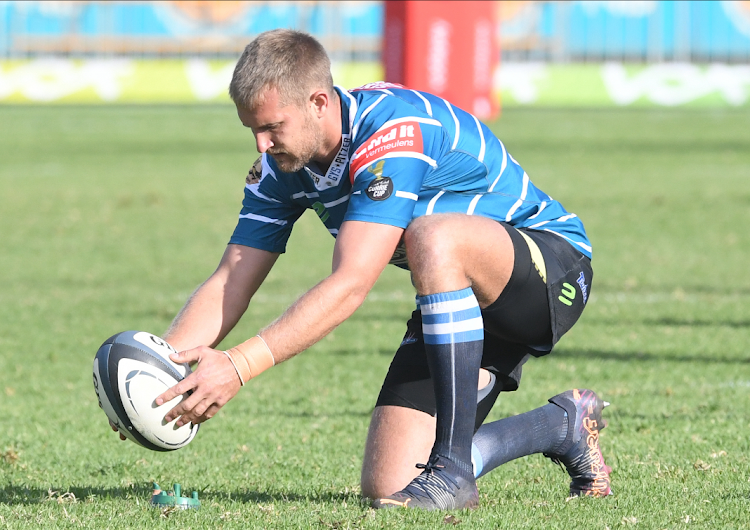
column 255, row 174
column 338, row 166
column 568, row 294
column 337, row 169
column 405, row 136
column 581, row 281
column 409, row 338
column 320, row 209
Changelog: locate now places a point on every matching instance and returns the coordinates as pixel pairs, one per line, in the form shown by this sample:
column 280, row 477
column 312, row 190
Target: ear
column 319, row 101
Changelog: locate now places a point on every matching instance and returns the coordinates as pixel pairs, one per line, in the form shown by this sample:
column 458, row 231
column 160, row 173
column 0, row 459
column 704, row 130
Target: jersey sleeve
column 389, row 166
column 267, row 214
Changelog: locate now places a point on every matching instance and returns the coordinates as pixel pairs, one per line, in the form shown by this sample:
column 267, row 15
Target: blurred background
column 122, row 171
column 590, row 53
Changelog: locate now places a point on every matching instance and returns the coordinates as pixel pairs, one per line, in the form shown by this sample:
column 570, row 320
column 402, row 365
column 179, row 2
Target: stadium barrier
column 515, row 83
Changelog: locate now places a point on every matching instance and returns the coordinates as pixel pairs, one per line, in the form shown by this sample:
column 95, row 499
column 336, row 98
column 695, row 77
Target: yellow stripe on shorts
column 536, row 257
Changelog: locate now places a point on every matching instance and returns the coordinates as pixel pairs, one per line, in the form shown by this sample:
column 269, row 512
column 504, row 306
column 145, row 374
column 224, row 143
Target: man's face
column 290, row 134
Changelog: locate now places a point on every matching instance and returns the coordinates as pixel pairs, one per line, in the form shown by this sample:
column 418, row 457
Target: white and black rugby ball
column 130, row 370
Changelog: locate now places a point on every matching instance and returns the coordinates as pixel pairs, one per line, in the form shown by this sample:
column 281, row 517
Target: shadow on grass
column 697, row 323
column 14, row 495
column 328, row 415
column 642, row 356
column 676, row 322
column 267, row 497
column 22, row 495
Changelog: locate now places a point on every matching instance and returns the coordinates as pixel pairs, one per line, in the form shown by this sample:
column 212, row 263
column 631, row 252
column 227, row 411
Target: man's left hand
column 213, row 382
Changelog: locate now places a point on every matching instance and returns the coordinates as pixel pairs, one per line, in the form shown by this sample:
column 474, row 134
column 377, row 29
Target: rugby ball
column 130, row 370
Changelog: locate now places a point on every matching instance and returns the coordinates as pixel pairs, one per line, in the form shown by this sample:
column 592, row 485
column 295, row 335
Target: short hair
column 290, row 61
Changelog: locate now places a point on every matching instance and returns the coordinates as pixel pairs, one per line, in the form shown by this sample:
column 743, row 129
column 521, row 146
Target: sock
column 540, row 430
column 454, row 336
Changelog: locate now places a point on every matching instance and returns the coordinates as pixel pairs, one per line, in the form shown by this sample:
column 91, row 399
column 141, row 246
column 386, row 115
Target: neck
column 331, row 134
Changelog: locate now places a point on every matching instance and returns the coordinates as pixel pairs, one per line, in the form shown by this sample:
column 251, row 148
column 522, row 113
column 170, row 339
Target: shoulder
column 266, row 181
column 255, row 173
column 381, row 109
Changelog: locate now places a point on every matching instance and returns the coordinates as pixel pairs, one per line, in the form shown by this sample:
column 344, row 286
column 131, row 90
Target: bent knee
column 431, row 243
column 397, row 440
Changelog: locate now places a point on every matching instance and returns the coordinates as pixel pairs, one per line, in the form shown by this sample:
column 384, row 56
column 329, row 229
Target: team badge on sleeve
column 380, row 188
column 256, row 172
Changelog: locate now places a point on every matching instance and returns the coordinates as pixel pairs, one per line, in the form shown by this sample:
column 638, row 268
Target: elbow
column 354, row 293
column 357, row 295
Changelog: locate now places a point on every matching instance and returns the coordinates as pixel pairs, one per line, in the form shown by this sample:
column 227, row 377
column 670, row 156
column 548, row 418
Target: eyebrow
column 267, row 126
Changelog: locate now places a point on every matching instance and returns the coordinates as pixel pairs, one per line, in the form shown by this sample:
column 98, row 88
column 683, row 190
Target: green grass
column 111, row 216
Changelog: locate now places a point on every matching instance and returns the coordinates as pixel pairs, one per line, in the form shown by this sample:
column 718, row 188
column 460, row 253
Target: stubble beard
column 313, row 140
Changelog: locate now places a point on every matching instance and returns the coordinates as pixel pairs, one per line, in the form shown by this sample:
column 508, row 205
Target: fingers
column 202, row 412
column 208, row 414
column 213, row 383
column 187, row 356
column 182, row 409
column 114, row 428
column 196, row 409
column 180, row 388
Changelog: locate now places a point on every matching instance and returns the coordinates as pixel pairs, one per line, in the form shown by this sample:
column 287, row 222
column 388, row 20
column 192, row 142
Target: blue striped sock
column 454, row 337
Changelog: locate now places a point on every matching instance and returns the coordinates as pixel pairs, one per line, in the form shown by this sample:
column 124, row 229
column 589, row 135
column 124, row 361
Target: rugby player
column 501, row 272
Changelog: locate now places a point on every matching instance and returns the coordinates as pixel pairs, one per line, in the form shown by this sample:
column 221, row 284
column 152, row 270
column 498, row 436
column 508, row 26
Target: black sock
column 540, row 430
column 454, row 336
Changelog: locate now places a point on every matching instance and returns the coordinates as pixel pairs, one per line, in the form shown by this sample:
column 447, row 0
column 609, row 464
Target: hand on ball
column 213, row 382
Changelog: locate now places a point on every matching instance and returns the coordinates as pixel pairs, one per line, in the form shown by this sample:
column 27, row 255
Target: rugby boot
column 441, row 486
column 580, row 453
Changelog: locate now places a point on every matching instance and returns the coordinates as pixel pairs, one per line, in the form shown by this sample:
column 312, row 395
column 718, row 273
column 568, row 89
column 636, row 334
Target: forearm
column 209, row 314
column 313, row 316
column 217, row 305
column 357, row 263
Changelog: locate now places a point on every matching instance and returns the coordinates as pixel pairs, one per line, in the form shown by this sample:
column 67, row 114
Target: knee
column 374, row 483
column 428, row 241
column 369, row 489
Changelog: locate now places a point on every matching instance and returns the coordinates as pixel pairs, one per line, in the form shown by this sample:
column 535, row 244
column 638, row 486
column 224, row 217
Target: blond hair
column 292, row 62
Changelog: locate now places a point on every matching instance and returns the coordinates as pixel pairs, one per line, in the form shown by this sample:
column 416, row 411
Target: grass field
column 111, row 216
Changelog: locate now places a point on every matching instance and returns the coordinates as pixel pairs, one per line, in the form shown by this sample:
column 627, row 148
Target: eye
column 269, row 127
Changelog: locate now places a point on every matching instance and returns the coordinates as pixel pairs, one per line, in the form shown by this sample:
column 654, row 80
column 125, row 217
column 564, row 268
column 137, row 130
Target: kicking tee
column 404, row 154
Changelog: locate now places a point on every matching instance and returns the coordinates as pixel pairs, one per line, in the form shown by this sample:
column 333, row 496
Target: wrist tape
column 251, row 358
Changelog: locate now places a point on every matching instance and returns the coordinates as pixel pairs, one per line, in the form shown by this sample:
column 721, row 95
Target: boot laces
column 433, row 483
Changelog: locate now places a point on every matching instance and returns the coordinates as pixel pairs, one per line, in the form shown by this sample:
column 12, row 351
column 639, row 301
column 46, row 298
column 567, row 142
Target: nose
column 263, row 141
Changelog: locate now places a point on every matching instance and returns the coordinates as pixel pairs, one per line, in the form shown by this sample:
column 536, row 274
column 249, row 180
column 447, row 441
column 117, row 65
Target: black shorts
column 545, row 296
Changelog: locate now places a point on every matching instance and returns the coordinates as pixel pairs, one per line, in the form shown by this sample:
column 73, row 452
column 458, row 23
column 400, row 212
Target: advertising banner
column 62, row 81
column 138, row 81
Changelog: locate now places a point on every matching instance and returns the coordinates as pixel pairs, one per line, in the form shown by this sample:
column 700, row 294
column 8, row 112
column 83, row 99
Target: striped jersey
column 404, row 154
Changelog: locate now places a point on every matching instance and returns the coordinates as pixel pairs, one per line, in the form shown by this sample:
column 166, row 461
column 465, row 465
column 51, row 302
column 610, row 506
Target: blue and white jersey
column 404, row 154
